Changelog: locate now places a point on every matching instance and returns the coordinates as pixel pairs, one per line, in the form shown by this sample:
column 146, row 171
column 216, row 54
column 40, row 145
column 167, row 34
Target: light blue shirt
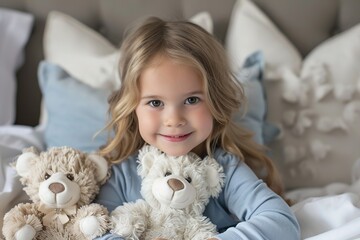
column 245, row 209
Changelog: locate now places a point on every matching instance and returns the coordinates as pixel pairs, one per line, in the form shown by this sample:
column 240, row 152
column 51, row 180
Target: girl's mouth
column 176, row 138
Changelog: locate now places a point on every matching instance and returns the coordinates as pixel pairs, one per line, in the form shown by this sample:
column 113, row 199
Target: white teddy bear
column 175, row 191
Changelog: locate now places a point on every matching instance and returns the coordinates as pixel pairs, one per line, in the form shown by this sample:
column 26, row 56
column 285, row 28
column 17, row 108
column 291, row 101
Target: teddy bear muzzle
column 58, row 191
column 174, row 191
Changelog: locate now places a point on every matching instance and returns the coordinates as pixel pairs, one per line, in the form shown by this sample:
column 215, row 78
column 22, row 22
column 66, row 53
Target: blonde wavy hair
column 190, row 44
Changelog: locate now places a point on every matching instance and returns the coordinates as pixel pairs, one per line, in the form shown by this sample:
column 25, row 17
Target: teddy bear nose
column 175, row 184
column 56, row 187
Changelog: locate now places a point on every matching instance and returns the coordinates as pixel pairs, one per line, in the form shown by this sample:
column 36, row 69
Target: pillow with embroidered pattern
column 314, row 101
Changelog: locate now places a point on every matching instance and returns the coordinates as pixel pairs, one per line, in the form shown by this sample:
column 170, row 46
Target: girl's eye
column 155, row 103
column 192, row 100
column 46, row 176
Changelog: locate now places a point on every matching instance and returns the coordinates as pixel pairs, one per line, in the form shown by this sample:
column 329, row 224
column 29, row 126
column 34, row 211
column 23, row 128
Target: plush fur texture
column 175, row 191
column 61, row 183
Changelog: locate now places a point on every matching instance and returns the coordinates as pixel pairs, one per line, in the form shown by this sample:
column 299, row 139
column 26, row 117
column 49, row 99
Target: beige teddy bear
column 61, row 183
column 175, row 191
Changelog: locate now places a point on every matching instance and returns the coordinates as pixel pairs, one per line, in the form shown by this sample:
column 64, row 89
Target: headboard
column 305, row 22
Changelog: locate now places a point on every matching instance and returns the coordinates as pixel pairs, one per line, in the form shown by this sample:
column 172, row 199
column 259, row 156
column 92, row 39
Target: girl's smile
column 176, row 138
column 173, row 114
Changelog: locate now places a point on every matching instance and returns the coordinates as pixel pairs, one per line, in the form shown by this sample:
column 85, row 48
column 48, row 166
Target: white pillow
column 15, row 29
column 316, row 102
column 204, row 20
column 251, row 30
column 80, row 51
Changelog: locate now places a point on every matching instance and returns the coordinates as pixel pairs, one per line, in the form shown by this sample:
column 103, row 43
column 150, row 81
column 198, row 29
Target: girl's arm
column 122, row 186
column 262, row 213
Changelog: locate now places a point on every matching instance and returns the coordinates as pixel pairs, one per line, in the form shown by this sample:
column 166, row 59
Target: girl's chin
column 175, row 152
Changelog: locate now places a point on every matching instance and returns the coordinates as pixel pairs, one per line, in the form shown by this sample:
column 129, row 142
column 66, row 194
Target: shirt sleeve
column 262, row 214
column 122, row 186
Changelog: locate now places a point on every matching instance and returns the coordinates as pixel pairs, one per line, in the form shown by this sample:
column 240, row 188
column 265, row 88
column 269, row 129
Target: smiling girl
column 178, row 94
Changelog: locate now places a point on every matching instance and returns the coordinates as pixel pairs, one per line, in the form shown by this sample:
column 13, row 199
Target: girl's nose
column 174, row 118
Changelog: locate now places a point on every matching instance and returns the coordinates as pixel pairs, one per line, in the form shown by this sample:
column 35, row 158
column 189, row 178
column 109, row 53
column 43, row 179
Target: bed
column 58, row 57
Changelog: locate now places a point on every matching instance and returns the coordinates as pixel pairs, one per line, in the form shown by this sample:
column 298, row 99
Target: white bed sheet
column 334, row 217
column 12, row 140
column 329, row 213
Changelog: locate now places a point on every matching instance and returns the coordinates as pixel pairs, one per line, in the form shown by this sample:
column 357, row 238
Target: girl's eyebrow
column 159, row 97
column 195, row 93
column 150, row 97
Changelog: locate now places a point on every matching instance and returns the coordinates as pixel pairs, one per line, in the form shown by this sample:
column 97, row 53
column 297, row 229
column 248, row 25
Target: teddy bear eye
column 46, row 176
column 70, row 176
column 167, row 174
column 188, row 179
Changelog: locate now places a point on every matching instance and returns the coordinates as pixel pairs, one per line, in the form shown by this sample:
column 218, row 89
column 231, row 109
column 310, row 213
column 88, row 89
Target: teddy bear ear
column 147, row 155
column 101, row 166
column 24, row 163
column 145, row 163
column 214, row 176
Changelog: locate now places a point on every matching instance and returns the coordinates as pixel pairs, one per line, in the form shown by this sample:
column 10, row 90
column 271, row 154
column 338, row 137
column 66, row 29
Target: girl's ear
column 147, row 156
column 24, row 163
column 101, row 166
column 214, row 176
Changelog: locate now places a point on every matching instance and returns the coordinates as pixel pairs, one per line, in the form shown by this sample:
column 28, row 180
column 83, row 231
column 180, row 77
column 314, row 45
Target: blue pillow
column 75, row 111
column 251, row 76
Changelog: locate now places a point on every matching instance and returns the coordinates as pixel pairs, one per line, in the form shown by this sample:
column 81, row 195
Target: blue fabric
column 245, row 209
column 251, row 76
column 75, row 111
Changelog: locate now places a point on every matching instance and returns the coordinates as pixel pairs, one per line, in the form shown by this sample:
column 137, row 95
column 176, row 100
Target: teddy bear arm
column 91, row 221
column 200, row 228
column 131, row 219
column 22, row 222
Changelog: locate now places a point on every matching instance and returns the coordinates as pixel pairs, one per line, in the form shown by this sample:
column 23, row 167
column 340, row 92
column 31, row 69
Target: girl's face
column 172, row 113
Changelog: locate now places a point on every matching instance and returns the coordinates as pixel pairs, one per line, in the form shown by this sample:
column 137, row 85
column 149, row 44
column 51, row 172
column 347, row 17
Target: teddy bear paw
column 131, row 231
column 27, row 232
column 89, row 226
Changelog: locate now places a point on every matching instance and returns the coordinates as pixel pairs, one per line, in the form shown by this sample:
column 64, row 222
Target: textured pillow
column 251, row 76
column 314, row 101
column 321, row 127
column 76, row 111
column 15, row 29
